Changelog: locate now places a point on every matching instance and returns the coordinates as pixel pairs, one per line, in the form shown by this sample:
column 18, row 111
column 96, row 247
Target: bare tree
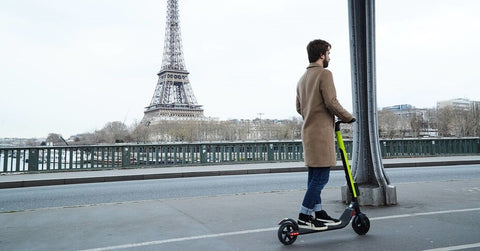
column 472, row 121
column 417, row 124
column 446, row 119
column 114, row 132
column 458, row 122
column 140, row 133
column 389, row 124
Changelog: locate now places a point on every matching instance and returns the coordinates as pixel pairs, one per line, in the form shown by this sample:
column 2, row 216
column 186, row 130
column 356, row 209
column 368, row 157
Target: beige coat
column 317, row 103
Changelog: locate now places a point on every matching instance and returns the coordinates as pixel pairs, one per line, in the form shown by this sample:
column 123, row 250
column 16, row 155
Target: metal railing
column 34, row 159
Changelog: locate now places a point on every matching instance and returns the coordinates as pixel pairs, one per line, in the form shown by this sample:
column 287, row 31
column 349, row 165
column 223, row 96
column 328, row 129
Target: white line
column 150, row 243
column 466, row 246
column 133, row 245
column 422, row 214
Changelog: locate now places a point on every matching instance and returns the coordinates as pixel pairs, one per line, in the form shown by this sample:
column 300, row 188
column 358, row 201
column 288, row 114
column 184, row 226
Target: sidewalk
column 76, row 177
column 438, row 214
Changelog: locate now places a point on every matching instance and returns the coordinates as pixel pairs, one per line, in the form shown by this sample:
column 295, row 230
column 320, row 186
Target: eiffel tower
column 173, row 98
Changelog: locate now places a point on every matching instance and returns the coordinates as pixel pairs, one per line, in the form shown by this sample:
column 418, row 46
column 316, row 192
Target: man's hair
column 316, row 49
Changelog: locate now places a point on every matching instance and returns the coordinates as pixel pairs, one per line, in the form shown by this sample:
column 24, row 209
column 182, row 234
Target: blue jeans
column 317, row 179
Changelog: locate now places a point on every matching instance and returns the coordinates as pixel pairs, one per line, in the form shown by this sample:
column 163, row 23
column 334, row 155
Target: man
column 317, row 103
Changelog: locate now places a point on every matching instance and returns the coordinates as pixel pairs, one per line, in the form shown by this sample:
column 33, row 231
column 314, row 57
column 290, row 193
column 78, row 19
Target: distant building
column 411, row 121
column 405, row 111
column 402, row 107
column 457, row 103
column 475, row 105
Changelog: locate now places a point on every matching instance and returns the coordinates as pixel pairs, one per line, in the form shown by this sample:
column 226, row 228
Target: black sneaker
column 308, row 222
column 323, row 217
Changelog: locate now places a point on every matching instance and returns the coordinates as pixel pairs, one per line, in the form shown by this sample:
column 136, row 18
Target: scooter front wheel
column 361, row 224
column 287, row 233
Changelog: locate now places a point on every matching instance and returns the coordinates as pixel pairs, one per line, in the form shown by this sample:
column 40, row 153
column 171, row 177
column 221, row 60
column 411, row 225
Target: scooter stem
column 346, row 165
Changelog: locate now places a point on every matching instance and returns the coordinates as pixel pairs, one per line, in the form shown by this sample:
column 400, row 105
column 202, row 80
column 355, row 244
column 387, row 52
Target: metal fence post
column 32, row 159
column 203, row 154
column 270, row 152
column 124, row 156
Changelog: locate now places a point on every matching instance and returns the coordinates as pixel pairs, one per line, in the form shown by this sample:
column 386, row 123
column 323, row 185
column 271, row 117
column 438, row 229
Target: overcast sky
column 70, row 67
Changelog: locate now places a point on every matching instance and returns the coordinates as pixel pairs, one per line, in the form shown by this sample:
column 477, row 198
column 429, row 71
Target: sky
column 70, row 67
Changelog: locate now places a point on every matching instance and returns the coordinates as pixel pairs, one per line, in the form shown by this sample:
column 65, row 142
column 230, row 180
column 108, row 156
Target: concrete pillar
column 367, row 167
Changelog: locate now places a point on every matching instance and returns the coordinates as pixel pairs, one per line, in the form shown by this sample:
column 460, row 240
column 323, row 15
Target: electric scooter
column 289, row 229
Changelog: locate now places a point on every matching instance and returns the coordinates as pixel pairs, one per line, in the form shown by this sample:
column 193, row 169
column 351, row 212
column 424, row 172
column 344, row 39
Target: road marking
column 141, row 244
column 207, row 236
column 422, row 214
column 473, row 245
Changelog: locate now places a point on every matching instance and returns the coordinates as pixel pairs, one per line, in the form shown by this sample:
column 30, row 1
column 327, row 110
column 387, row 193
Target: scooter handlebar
column 337, row 124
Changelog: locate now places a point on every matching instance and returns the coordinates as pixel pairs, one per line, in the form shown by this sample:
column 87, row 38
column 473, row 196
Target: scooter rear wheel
column 285, row 233
column 361, row 224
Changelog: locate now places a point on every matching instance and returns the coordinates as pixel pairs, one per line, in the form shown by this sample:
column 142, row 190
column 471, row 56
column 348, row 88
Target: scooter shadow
column 341, row 240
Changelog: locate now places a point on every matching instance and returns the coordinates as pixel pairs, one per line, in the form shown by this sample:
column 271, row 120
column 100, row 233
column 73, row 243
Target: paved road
column 93, row 176
column 96, row 193
column 443, row 212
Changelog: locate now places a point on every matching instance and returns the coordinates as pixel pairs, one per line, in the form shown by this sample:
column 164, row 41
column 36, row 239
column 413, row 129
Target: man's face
column 326, row 59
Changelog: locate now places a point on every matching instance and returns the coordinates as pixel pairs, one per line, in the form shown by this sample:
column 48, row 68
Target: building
column 458, row 103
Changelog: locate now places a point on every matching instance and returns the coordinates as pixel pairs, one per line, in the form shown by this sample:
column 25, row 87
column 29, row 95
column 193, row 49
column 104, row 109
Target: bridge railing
column 34, row 159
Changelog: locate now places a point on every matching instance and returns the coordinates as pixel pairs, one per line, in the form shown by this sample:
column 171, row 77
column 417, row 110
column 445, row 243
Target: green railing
column 34, row 159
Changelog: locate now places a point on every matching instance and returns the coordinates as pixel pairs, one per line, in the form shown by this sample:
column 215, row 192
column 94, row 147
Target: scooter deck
column 345, row 218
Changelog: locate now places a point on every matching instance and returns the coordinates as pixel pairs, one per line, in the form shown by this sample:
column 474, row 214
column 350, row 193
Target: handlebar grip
column 337, row 124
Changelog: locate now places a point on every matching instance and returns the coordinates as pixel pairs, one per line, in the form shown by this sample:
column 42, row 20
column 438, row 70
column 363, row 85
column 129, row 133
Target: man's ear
column 322, row 57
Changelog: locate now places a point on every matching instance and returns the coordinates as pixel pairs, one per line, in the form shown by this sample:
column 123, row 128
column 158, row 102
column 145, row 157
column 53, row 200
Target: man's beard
column 325, row 63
